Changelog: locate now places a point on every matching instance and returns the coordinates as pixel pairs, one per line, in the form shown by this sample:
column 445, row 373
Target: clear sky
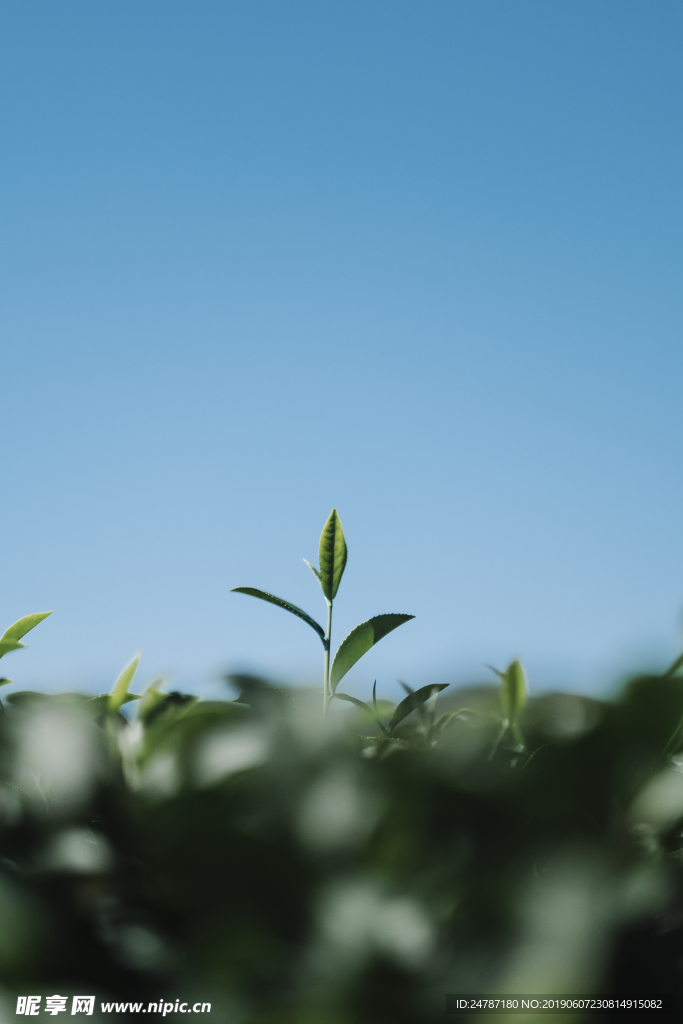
column 418, row 260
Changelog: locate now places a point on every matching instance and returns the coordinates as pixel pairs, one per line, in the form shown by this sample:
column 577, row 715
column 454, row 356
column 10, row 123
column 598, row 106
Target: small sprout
column 333, row 556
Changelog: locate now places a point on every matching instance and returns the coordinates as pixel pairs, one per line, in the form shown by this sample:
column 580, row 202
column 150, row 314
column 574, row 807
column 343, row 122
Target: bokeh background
column 420, row 261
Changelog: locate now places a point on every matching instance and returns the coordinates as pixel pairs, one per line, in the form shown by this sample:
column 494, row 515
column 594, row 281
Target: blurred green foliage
column 352, row 868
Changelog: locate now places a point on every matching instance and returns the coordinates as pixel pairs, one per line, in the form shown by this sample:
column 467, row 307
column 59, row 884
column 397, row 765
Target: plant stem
column 327, row 696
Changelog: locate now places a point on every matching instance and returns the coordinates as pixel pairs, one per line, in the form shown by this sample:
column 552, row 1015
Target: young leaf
column 414, row 700
column 118, row 695
column 263, row 596
column 513, row 691
column 9, row 645
column 420, row 707
column 315, row 571
column 5, row 682
column 360, row 640
column 22, row 626
column 332, row 553
column 352, row 700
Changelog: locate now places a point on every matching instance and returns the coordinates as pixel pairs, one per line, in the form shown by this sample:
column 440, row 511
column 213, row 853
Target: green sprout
column 332, row 555
column 9, row 641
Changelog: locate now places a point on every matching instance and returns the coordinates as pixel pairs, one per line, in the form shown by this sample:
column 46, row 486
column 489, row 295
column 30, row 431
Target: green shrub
column 352, row 867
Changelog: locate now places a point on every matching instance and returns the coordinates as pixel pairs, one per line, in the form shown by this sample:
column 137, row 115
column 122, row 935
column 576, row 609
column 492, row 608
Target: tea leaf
column 119, row 693
column 96, row 706
column 360, row 640
column 22, row 626
column 315, row 571
column 333, row 554
column 281, row 603
column 353, row 700
column 513, row 691
column 414, row 701
column 9, row 645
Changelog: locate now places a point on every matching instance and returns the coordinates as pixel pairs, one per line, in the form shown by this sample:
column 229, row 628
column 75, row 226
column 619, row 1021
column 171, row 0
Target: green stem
column 327, row 696
column 505, row 725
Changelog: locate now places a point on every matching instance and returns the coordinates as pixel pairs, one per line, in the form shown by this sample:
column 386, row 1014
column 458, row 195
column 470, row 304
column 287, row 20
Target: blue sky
column 420, row 261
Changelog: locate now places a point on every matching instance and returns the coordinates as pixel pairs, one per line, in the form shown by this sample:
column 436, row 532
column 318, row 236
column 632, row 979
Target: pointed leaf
column 375, row 709
column 420, row 706
column 118, row 695
column 353, row 700
column 5, row 682
column 22, row 626
column 360, row 640
column 333, row 554
column 414, row 700
column 315, row 571
column 513, row 691
column 9, row 645
column 281, row 603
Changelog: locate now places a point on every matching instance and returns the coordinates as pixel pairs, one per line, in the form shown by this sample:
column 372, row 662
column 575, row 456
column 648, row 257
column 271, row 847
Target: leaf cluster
column 309, row 869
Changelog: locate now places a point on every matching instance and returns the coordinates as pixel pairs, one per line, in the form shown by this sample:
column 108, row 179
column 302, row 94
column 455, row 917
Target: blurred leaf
column 5, row 682
column 96, row 706
column 9, row 645
column 353, row 700
column 653, row 709
column 22, row 626
column 414, row 701
column 156, row 704
column 257, row 693
column 119, row 692
column 333, row 555
column 271, row 599
column 25, row 698
column 513, row 691
column 360, row 640
column 151, row 697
